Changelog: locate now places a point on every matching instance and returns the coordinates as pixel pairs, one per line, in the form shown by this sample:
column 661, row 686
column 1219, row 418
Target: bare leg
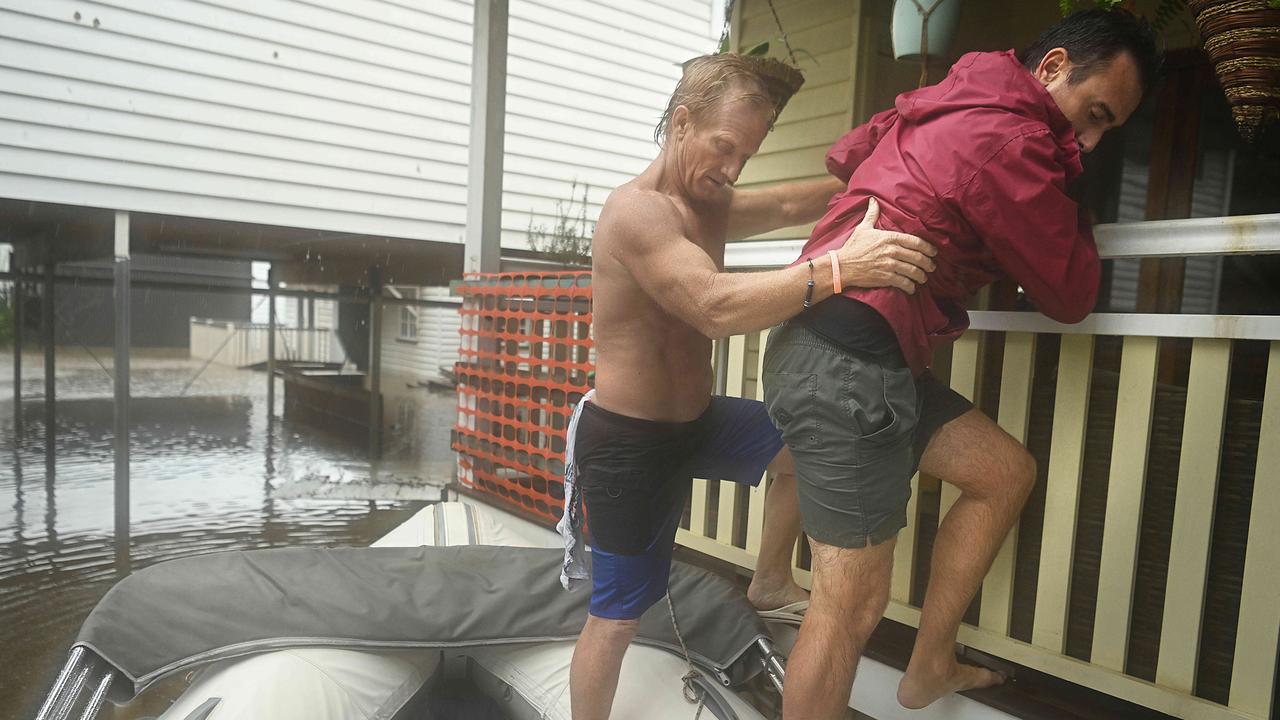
column 773, row 584
column 994, row 473
column 597, row 661
column 850, row 592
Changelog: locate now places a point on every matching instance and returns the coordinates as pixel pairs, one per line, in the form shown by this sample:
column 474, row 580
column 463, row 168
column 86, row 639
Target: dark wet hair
column 1093, row 38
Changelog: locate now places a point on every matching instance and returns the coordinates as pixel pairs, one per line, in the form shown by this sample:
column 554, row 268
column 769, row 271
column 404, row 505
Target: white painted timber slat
column 734, row 381
column 1062, row 492
column 1234, row 327
column 700, row 494
column 150, row 26
column 1236, row 235
column 1116, row 684
column 755, row 501
column 904, row 553
column 1193, row 514
column 1254, row 670
column 966, row 374
column 240, row 111
column 443, row 59
column 194, row 115
column 1126, row 487
column 304, row 175
column 1013, row 415
column 138, row 53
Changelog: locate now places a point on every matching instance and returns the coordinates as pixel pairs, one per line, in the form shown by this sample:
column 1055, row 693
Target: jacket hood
column 994, row 81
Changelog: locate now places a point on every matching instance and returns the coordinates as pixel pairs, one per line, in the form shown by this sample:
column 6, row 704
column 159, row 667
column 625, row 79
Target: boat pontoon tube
column 180, row 613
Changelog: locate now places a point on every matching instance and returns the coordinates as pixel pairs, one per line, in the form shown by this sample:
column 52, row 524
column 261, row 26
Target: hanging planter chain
column 924, row 37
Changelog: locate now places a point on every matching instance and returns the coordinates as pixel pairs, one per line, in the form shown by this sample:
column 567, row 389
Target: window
column 408, row 315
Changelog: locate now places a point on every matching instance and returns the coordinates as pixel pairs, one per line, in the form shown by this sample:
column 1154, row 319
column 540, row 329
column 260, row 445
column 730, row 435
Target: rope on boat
column 692, row 692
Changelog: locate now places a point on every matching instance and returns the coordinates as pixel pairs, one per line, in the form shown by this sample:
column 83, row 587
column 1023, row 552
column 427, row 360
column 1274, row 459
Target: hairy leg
column 995, row 474
column 597, row 661
column 773, row 584
column 850, row 591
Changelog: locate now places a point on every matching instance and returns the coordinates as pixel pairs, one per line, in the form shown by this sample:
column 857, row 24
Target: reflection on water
column 206, row 476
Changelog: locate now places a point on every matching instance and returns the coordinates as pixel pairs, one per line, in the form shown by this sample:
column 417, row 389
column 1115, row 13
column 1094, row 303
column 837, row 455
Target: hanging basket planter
column 1242, row 38
column 923, row 28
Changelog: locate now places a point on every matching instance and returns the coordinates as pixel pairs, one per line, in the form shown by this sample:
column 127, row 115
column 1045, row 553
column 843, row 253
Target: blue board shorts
column 635, row 477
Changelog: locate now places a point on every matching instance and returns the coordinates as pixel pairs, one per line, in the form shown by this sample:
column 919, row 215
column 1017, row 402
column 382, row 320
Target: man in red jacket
column 978, row 165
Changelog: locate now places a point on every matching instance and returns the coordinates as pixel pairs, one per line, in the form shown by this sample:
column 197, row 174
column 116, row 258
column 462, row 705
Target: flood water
column 207, row 476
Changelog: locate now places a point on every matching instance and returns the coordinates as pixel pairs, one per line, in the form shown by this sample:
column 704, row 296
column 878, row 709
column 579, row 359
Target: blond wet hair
column 709, row 80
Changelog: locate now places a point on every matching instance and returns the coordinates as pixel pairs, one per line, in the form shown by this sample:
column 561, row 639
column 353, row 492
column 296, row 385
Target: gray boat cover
column 176, row 614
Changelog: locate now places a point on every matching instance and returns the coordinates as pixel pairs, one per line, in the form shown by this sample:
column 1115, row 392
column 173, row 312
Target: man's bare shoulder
column 632, row 213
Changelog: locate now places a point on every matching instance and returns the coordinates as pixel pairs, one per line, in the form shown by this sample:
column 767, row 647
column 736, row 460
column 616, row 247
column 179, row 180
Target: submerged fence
column 240, row 344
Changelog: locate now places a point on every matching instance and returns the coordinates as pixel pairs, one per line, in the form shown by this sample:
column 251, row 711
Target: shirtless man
column 660, row 294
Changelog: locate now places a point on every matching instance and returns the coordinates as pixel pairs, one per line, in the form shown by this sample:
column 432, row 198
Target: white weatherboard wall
column 342, row 115
column 435, row 342
column 587, row 81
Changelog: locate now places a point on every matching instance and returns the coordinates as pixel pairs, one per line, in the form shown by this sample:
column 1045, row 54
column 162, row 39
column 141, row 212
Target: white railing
column 738, row 520
column 1240, row 235
column 240, row 344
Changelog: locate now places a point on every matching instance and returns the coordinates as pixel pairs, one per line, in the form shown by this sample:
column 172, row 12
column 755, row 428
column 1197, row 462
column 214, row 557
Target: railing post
column 271, row 345
column 50, row 364
column 19, row 319
column 375, row 363
column 121, row 294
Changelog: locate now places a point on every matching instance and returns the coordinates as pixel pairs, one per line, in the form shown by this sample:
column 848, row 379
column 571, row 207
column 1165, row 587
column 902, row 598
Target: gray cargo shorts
column 857, row 427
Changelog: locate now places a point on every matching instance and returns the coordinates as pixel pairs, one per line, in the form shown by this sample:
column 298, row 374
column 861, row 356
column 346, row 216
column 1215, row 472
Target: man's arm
column 1017, row 203
column 647, row 238
column 752, row 212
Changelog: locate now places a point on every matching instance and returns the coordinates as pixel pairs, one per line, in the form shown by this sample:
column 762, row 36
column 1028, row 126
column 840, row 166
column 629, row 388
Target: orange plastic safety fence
column 524, row 361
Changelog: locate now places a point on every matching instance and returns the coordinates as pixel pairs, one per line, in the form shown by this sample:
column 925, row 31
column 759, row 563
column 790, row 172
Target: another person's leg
column 739, row 442
column 773, row 585
column 995, row 474
column 849, row 421
column 629, row 472
column 624, row 586
column 597, row 662
column 850, row 592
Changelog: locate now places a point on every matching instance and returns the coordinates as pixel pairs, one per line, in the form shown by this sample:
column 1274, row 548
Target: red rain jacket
column 977, row 165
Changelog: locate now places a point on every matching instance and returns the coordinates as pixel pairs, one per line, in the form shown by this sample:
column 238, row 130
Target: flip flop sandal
column 789, row 613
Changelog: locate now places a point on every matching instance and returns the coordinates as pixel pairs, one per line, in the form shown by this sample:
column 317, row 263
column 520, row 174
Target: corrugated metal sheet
column 345, row 115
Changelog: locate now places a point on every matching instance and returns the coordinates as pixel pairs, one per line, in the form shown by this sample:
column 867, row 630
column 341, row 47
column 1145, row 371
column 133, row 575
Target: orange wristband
column 835, row 273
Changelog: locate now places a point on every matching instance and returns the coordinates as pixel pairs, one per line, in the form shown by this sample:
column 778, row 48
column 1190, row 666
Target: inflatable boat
column 457, row 613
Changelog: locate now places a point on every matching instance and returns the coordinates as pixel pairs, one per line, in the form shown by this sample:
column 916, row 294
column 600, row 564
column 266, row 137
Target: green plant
column 1166, row 12
column 568, row 241
column 762, row 48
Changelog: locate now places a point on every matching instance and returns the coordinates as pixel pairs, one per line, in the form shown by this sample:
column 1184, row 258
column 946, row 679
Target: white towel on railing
column 570, row 525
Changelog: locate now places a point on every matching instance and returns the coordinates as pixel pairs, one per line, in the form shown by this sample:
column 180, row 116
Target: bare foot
column 919, row 690
column 771, row 597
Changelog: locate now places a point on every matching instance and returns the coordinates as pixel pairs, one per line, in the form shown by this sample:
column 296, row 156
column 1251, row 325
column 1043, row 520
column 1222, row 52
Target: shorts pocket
column 879, row 402
column 618, row 518
column 789, row 398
